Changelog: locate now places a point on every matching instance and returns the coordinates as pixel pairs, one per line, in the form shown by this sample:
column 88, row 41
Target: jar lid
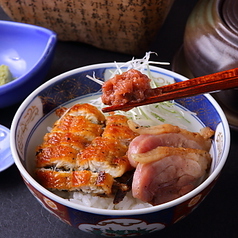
column 230, row 14
column 6, row 159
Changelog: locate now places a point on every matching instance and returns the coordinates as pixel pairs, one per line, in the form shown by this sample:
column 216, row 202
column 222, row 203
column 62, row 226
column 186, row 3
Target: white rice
column 128, row 203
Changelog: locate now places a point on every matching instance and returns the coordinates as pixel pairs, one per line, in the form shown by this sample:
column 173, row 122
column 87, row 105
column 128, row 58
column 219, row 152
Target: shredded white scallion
column 153, row 114
column 141, row 65
column 93, row 78
column 138, row 64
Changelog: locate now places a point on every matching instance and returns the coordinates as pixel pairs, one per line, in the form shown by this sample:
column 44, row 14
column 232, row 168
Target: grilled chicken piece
column 169, row 161
column 144, row 143
column 108, row 153
column 161, row 152
column 174, row 173
column 176, row 136
column 167, row 135
column 86, row 181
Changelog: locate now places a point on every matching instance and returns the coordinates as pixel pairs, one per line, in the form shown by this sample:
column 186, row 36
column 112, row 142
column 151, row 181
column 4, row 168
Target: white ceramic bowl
column 35, row 114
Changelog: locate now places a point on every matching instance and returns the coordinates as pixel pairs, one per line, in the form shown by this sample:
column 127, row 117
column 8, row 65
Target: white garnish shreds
column 138, row 64
column 153, row 114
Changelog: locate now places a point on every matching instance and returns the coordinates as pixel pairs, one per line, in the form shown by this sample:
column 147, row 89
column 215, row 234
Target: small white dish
column 6, row 159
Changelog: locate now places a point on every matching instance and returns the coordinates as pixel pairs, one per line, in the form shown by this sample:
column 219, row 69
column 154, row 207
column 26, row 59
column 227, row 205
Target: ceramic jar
column 211, row 42
column 122, row 26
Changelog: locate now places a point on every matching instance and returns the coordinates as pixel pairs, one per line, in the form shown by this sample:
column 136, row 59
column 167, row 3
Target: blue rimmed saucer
column 6, row 159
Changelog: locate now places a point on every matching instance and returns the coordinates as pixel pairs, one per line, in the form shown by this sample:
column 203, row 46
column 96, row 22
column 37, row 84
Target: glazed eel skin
column 84, row 151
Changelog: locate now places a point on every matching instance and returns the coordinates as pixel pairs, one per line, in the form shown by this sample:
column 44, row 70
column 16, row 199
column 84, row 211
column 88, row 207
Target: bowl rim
column 29, row 179
column 49, row 47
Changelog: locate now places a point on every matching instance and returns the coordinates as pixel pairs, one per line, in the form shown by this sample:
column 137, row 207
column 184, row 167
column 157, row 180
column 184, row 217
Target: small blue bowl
column 37, row 113
column 28, row 52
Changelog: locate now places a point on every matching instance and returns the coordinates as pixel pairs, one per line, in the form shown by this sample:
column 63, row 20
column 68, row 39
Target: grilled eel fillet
column 84, row 151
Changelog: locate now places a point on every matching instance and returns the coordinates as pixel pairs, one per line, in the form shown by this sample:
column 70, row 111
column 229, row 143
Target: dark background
column 22, row 216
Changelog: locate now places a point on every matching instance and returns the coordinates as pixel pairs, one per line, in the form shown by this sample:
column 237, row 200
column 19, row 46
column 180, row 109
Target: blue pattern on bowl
column 36, row 109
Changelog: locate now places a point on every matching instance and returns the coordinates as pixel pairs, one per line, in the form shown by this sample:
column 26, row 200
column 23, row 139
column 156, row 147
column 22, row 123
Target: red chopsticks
column 218, row 81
